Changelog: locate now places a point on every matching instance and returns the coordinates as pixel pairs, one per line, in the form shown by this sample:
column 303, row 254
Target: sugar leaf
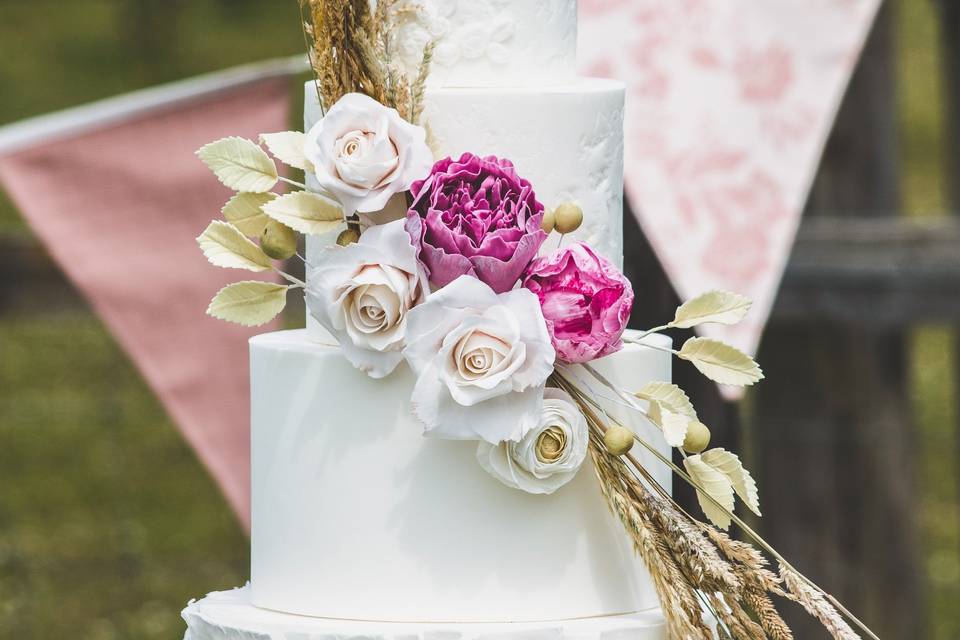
column 721, row 307
column 674, row 427
column 743, row 483
column 669, row 395
column 240, row 164
column 244, row 212
column 715, row 484
column 225, row 246
column 720, row 362
column 287, row 146
column 305, row 212
column 250, row 303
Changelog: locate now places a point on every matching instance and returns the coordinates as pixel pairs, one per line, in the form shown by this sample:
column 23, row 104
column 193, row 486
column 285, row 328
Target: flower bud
column 278, row 240
column 549, row 221
column 697, row 438
column 348, row 236
column 567, row 217
column 618, row 440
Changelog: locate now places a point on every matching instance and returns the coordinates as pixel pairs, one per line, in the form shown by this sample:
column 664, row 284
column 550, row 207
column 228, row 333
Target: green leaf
column 720, row 362
column 305, row 212
column 240, row 164
column 721, row 307
column 743, row 483
column 250, row 303
column 225, row 246
column 670, row 396
column 715, row 484
column 244, row 212
column 287, row 146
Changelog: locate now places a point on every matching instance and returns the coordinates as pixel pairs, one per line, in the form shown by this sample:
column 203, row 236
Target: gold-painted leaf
column 240, row 164
column 244, row 212
column 714, row 483
column 225, row 246
column 674, row 427
column 721, row 307
column 305, row 212
column 720, row 362
column 743, row 483
column 250, row 303
column 668, row 395
column 287, row 146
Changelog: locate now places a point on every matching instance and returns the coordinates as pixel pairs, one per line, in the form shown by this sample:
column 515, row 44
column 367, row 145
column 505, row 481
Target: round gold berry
column 697, row 438
column 567, row 217
column 618, row 440
column 278, row 240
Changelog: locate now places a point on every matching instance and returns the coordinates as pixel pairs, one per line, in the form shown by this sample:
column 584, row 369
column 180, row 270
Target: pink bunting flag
column 729, row 105
column 117, row 196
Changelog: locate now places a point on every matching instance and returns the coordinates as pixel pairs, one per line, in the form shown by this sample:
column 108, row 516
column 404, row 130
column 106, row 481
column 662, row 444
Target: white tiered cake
column 361, row 527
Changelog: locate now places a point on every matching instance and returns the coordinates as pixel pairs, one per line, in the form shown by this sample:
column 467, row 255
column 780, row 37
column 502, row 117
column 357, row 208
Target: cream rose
column 363, row 294
column 481, row 361
column 549, row 456
column 363, row 153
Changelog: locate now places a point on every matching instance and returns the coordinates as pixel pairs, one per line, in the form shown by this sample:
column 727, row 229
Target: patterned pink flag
column 116, row 194
column 729, row 105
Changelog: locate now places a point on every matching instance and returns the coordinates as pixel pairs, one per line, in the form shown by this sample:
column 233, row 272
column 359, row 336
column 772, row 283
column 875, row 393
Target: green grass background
column 108, row 524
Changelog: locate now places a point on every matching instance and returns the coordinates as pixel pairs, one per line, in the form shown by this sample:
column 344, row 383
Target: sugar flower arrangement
column 499, row 333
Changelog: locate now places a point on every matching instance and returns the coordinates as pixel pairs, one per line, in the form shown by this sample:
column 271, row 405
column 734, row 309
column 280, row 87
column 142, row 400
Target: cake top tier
column 492, row 43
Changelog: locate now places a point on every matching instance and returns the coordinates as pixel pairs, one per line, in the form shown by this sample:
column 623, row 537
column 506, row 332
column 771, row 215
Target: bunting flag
column 729, row 106
column 115, row 193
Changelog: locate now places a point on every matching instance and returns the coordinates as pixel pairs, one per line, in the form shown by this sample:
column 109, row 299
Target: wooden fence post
column 832, row 421
column 950, row 37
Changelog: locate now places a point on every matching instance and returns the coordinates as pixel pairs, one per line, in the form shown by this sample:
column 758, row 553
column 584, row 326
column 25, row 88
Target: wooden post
column 950, row 37
column 832, row 420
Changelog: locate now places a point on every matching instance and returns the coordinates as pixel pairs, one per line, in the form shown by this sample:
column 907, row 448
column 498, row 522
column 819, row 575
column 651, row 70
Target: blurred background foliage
column 108, row 524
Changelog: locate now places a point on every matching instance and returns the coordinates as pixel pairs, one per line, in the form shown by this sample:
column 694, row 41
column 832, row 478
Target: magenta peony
column 475, row 216
column 585, row 299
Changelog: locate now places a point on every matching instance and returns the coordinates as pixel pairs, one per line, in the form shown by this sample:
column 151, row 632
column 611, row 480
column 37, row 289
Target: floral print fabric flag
column 729, row 105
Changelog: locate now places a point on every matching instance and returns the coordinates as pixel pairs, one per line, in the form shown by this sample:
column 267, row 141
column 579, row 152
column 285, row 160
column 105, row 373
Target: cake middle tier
column 356, row 515
column 566, row 140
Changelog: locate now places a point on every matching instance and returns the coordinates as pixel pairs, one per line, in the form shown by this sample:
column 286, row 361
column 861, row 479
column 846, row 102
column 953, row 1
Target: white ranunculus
column 481, row 361
column 363, row 153
column 549, row 456
column 363, row 294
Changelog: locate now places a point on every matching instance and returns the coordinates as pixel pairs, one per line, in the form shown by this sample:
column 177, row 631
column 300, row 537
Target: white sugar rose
column 363, row 294
column 363, row 153
column 481, row 360
column 549, row 456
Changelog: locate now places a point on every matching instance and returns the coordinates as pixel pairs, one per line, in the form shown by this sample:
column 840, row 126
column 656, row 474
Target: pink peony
column 475, row 216
column 585, row 299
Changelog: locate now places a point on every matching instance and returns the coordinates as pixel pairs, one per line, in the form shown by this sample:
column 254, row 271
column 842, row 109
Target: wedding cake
column 465, row 441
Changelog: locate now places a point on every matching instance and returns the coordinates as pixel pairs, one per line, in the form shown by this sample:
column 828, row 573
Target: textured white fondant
column 566, row 140
column 356, row 515
column 229, row 615
column 491, row 43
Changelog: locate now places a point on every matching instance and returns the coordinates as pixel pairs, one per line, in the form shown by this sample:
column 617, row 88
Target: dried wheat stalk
column 351, row 51
column 691, row 560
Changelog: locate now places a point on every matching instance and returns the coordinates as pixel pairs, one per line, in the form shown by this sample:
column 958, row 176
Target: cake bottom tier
column 229, row 615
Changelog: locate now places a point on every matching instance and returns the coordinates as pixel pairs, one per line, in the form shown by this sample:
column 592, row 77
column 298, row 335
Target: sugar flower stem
column 651, row 346
column 299, row 185
column 585, row 400
column 297, row 282
column 646, row 333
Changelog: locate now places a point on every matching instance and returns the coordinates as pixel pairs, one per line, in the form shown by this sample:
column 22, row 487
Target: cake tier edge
column 230, row 615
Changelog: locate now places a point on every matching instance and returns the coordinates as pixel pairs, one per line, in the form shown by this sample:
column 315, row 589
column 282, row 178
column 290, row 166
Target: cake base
column 228, row 615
